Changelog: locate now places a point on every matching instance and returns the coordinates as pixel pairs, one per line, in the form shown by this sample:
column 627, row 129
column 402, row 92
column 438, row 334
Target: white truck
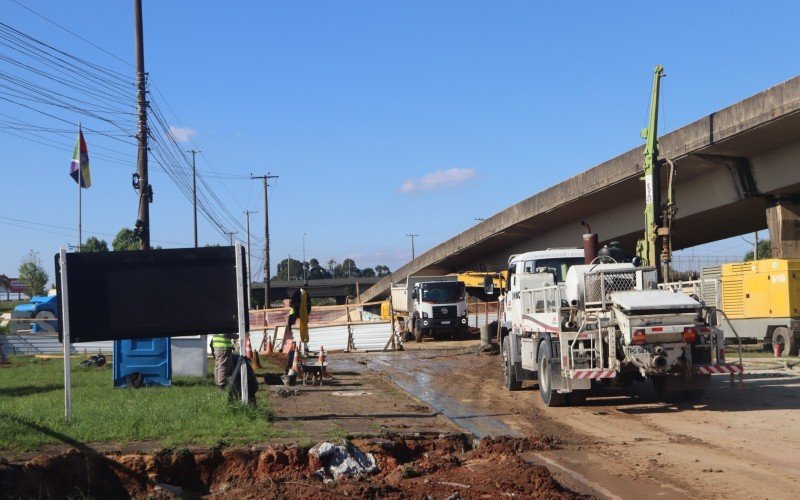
column 570, row 325
column 431, row 305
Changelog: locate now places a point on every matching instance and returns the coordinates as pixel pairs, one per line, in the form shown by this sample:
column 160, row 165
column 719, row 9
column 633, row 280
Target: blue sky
column 380, row 118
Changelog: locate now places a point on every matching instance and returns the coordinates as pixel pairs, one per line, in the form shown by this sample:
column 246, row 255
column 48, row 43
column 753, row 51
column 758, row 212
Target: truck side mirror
column 488, row 285
column 414, row 294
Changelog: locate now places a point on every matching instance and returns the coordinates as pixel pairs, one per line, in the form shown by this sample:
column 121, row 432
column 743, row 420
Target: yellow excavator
column 477, row 284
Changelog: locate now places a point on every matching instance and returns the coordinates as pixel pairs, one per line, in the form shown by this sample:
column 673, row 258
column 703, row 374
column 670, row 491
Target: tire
column 693, row 395
column 660, row 387
column 510, row 381
column 577, row 397
column 674, row 394
column 787, row 339
column 550, row 397
column 417, row 328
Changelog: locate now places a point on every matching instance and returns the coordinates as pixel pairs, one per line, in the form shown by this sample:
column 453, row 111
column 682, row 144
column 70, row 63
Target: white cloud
column 451, row 178
column 181, row 134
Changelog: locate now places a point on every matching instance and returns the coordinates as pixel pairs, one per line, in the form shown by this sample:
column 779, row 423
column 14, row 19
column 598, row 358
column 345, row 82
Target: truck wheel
column 696, row 394
column 787, row 340
column 577, row 397
column 510, row 381
column 546, row 373
column 660, row 387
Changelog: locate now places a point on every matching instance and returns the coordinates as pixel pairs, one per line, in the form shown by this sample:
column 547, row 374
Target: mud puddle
column 463, row 389
column 417, row 379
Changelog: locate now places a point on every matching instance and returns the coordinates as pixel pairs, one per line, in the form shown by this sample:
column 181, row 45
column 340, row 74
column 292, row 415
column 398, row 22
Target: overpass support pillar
column 783, row 220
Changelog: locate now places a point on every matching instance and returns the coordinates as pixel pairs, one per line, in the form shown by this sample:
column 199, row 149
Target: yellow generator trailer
column 761, row 299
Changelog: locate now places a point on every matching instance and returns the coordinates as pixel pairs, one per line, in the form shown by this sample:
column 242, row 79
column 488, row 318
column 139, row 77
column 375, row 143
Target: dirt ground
column 738, row 441
column 419, row 452
column 438, row 423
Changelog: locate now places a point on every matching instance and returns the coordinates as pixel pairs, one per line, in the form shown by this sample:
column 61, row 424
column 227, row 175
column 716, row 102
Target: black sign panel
column 153, row 293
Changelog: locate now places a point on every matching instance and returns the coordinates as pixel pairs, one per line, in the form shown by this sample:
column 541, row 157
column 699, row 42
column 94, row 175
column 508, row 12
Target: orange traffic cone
column 322, row 358
column 295, row 363
column 250, row 354
column 270, row 348
column 248, row 350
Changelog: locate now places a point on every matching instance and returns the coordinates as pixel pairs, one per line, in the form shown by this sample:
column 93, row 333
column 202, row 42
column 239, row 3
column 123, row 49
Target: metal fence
column 49, row 344
column 694, row 264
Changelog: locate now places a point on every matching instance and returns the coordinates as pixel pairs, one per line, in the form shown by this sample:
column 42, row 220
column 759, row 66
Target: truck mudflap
column 716, row 369
column 591, row 374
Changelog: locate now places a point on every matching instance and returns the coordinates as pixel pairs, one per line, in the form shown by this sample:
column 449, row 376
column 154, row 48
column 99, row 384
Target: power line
column 72, row 33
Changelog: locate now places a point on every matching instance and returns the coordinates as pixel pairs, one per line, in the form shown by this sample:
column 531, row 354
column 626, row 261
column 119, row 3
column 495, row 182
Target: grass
column 337, row 433
column 9, row 305
column 752, row 351
column 191, row 412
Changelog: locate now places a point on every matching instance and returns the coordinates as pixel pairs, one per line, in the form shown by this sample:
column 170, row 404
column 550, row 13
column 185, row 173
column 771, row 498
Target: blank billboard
column 153, row 293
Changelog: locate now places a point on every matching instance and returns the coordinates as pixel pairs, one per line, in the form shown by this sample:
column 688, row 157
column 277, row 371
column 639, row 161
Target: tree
column 94, row 245
column 32, row 273
column 382, row 271
column 289, row 269
column 347, row 269
column 125, row 240
column 764, row 251
column 317, row 272
column 367, row 272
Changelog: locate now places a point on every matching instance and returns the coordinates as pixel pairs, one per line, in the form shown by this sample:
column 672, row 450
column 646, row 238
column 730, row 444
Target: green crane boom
column 647, row 247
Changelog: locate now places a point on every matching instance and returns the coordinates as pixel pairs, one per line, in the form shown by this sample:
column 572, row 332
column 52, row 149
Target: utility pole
column 194, row 196
column 249, row 269
column 755, row 247
column 412, row 236
column 305, row 278
column 288, row 266
column 230, row 235
column 145, row 190
column 265, row 179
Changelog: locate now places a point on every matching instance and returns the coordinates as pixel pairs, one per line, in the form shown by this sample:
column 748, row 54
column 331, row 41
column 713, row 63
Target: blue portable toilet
column 150, row 357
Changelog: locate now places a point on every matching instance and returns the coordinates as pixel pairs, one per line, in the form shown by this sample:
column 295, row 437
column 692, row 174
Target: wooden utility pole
column 230, row 235
column 265, row 179
column 145, row 190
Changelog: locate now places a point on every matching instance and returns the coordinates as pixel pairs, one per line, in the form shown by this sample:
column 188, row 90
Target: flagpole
column 80, row 174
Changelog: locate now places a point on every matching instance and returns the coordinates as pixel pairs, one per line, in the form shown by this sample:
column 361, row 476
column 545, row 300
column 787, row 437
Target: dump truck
column 570, row 326
column 430, row 305
column 758, row 301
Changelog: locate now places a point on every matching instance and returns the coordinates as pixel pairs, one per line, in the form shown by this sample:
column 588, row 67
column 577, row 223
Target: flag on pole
column 80, row 162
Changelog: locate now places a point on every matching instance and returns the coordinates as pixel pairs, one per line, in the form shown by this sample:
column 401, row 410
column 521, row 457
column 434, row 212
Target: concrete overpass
column 738, row 171
column 335, row 288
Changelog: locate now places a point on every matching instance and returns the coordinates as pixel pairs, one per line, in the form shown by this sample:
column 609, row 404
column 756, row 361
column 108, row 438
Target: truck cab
column 439, row 306
column 534, row 270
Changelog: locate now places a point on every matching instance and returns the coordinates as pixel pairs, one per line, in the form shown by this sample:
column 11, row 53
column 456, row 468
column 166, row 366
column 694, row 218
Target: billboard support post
column 67, row 345
column 242, row 330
